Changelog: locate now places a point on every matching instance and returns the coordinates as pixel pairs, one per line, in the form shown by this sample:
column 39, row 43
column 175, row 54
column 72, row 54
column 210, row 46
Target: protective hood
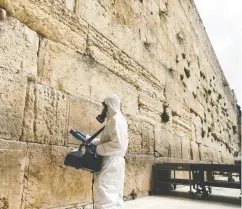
column 113, row 103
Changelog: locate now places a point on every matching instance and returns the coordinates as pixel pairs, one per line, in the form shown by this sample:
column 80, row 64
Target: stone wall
column 59, row 59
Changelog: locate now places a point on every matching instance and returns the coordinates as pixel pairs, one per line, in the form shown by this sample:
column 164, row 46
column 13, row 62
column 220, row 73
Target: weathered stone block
column 82, row 76
column 46, row 116
column 162, row 142
column 28, row 126
column 52, row 114
column 12, row 101
column 18, row 46
column 51, row 19
column 176, row 146
column 195, row 155
column 70, row 4
column 186, row 149
column 3, row 14
column 141, row 137
column 196, row 121
column 138, row 174
column 50, row 183
column 82, row 117
column 205, row 153
column 182, row 127
column 12, row 167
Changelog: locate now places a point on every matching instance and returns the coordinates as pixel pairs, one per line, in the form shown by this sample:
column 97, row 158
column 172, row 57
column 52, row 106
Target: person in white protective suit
column 109, row 182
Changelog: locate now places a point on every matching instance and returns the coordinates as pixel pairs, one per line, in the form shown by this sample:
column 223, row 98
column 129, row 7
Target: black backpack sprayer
column 85, row 157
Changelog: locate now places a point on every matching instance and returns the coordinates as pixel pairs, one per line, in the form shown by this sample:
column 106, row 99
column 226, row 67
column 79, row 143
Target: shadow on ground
column 213, row 198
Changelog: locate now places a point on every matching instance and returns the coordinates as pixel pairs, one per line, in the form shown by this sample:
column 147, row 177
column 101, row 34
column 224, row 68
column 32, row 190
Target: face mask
column 101, row 118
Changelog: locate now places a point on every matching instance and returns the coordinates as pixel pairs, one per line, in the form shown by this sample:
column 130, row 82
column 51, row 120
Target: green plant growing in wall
column 165, row 116
column 234, row 130
column 177, row 59
column 188, row 63
column 183, row 55
column 30, row 78
column 198, row 62
column 212, row 103
column 163, row 12
column 194, row 95
column 209, row 129
column 60, row 86
column 203, row 133
column 202, row 75
column 134, row 83
column 184, row 84
column 4, row 204
column 174, row 113
column 147, row 45
column 171, row 71
column 187, row 72
column 219, row 97
column 180, row 37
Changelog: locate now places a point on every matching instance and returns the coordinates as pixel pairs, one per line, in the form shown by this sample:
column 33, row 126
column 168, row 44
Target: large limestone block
column 197, row 124
column 176, row 146
column 138, row 174
column 82, row 117
column 163, row 137
column 28, row 129
column 182, row 127
column 64, row 69
column 52, row 114
column 50, row 183
column 205, row 153
column 186, row 149
column 12, row 102
column 195, row 151
column 52, row 19
column 141, row 137
column 12, row 167
column 46, row 111
column 18, row 46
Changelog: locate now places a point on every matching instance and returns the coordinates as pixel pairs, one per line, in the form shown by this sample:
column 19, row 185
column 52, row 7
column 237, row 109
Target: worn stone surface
column 12, row 167
column 50, row 183
column 82, row 117
column 12, row 101
column 60, row 59
column 82, row 76
column 52, row 111
column 19, row 46
column 138, row 174
column 52, row 19
column 194, row 151
column 45, row 116
column 141, row 137
column 163, row 138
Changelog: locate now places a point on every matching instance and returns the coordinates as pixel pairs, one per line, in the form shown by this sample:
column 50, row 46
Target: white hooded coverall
column 109, row 182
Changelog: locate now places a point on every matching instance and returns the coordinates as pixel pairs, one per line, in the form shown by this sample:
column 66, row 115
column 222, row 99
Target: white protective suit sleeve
column 114, row 144
column 95, row 141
